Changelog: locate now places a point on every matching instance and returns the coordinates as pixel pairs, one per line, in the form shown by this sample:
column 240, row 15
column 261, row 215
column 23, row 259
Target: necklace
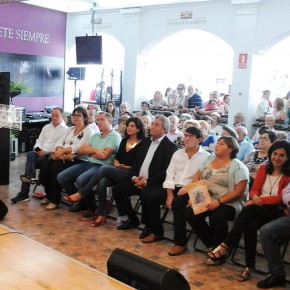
column 131, row 145
column 276, row 180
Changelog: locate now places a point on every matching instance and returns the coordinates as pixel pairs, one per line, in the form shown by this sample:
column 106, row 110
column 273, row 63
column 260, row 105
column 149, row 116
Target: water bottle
column 286, row 122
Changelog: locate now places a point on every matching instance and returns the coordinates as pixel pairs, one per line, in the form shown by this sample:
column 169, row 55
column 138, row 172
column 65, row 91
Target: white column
column 132, row 36
column 242, row 99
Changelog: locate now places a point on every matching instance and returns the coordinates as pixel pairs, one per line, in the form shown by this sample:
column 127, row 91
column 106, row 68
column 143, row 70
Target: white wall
column 247, row 28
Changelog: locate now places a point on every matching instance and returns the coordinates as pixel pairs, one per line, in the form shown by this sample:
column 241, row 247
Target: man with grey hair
column 148, row 174
column 173, row 131
column 245, row 147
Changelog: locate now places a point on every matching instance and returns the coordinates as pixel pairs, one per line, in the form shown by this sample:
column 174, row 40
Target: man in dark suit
column 148, row 175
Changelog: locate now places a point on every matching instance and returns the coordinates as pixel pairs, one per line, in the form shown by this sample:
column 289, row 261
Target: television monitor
column 89, row 50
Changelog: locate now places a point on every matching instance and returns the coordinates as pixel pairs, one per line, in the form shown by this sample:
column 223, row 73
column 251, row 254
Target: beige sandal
column 245, row 275
column 52, row 206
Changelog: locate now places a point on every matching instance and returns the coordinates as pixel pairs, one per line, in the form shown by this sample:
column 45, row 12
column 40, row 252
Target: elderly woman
column 226, row 179
column 256, row 158
column 64, row 156
column 215, row 127
column 265, row 204
column 158, row 102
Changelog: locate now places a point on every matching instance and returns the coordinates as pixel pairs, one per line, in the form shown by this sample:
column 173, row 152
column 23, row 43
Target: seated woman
column 121, row 127
column 212, row 107
column 279, row 110
column 256, row 158
column 108, row 174
column 158, row 102
column 215, row 127
column 226, row 178
column 65, row 149
column 111, row 108
column 265, row 205
column 146, row 121
column 208, row 141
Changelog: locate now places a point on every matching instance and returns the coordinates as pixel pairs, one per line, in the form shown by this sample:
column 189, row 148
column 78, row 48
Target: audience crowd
column 185, row 157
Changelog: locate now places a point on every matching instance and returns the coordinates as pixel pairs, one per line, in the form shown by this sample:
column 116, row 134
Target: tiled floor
column 62, row 231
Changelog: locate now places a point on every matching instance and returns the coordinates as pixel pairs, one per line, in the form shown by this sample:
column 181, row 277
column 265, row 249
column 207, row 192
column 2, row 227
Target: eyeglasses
column 263, row 139
column 180, row 88
column 77, row 115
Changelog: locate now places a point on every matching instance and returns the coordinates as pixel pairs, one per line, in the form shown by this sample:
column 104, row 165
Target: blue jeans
column 108, row 176
column 32, row 162
column 271, row 236
column 79, row 178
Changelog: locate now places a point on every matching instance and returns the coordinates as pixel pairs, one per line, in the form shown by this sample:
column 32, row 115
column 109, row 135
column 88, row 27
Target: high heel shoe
column 69, row 199
column 100, row 220
column 245, row 275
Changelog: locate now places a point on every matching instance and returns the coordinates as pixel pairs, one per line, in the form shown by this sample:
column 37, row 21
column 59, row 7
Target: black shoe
column 20, row 197
column 272, row 281
column 146, row 232
column 75, row 207
column 129, row 224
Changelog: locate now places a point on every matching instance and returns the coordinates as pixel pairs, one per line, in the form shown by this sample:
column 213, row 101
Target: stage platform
column 26, row 264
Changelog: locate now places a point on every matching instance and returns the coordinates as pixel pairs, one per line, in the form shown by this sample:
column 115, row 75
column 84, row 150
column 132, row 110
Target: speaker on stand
column 144, row 274
column 76, row 74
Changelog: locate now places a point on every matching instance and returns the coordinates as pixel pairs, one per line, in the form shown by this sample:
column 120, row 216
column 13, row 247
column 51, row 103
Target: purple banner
column 27, row 29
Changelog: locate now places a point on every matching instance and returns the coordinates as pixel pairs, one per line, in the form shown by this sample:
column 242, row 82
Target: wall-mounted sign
column 243, row 60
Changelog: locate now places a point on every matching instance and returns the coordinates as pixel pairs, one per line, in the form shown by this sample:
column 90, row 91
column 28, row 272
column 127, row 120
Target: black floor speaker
column 143, row 274
column 3, row 210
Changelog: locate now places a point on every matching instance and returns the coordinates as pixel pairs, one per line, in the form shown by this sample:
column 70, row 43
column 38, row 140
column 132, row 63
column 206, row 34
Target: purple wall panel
column 20, row 22
column 35, row 36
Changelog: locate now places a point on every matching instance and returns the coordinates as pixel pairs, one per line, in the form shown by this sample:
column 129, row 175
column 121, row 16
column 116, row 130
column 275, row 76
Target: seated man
column 173, row 132
column 149, row 171
column 271, row 236
column 101, row 147
column 183, row 165
column 245, row 145
column 44, row 145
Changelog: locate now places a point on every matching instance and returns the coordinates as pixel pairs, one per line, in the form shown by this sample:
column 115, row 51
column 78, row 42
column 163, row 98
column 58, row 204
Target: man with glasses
column 183, row 165
column 44, row 145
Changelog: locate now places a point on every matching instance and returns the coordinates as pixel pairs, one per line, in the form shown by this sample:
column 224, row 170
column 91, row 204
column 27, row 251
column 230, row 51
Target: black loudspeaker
column 3, row 210
column 143, row 274
column 4, row 132
column 77, row 73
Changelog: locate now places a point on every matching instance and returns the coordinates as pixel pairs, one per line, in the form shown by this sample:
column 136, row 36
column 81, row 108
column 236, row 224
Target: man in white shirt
column 44, row 145
column 183, row 165
column 173, row 132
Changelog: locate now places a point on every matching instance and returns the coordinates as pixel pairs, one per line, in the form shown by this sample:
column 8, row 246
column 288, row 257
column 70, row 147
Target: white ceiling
column 72, row 6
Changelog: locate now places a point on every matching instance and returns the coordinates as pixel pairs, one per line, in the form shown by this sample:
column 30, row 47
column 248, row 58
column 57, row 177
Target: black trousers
column 152, row 197
column 214, row 232
column 179, row 204
column 49, row 169
column 248, row 222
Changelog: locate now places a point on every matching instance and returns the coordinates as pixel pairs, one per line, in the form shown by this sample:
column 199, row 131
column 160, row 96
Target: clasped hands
column 140, row 182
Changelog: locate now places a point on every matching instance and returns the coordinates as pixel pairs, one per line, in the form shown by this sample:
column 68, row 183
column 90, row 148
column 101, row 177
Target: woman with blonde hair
column 158, row 102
